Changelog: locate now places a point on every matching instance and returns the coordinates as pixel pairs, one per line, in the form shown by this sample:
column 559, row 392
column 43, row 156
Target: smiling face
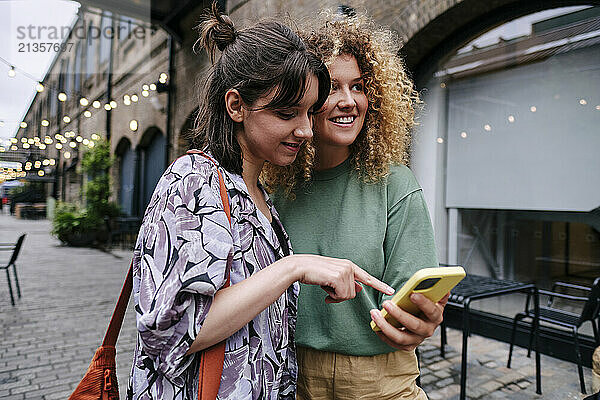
column 341, row 119
column 276, row 135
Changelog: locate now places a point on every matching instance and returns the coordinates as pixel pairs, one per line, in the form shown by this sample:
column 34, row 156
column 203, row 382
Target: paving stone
column 523, row 384
column 439, row 365
column 509, row 377
column 427, row 379
column 442, row 374
column 444, row 382
column 491, row 386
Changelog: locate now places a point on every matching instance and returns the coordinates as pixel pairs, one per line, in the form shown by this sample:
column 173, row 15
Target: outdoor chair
column 16, row 248
column 553, row 315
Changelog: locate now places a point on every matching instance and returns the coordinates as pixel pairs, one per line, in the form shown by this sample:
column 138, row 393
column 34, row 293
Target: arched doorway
column 126, row 159
column 151, row 150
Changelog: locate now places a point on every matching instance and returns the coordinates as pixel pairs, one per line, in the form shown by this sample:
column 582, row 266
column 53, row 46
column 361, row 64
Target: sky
column 16, row 16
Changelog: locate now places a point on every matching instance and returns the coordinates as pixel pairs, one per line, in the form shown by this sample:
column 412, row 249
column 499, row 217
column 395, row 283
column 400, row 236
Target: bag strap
column 116, row 321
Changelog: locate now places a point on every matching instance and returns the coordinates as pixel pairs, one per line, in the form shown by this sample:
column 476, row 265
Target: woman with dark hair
column 257, row 106
column 350, row 193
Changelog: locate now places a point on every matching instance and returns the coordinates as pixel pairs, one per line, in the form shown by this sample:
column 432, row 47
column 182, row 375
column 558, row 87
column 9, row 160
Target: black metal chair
column 567, row 319
column 16, row 248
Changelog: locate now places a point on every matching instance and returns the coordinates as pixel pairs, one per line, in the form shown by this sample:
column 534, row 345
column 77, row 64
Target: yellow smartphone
column 433, row 283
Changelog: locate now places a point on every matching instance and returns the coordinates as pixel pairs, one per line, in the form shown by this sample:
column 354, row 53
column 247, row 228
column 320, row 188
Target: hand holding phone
column 432, row 283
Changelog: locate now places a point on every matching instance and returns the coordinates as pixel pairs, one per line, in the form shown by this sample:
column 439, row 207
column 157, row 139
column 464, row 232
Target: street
column 68, row 295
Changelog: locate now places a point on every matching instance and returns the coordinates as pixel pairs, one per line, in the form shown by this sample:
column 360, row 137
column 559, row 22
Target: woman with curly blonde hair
column 349, row 194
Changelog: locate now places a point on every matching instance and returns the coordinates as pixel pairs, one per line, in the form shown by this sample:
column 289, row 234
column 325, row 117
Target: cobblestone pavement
column 487, row 375
column 49, row 337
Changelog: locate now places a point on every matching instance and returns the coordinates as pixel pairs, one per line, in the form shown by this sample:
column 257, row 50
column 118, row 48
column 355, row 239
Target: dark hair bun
column 216, row 31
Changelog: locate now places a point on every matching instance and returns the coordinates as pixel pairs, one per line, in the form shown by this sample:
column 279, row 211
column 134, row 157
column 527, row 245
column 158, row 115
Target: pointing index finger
column 362, row 276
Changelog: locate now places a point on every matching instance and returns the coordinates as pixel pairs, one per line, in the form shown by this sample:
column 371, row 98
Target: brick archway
column 433, row 30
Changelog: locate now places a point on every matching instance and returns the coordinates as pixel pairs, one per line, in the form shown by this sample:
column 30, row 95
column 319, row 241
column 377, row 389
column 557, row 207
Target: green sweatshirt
column 383, row 228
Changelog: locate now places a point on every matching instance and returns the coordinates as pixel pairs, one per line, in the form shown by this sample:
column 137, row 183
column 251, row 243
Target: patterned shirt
column 184, row 246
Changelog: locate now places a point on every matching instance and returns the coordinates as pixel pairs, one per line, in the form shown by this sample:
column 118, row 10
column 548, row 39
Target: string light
column 511, row 118
column 487, row 127
column 583, row 102
column 45, row 122
column 113, row 104
column 533, row 108
column 11, row 72
column 133, row 125
column 39, row 87
column 440, row 140
column 87, row 113
column 134, row 98
column 96, row 104
column 145, row 93
column 152, row 86
column 463, row 134
column 23, row 124
column 67, row 154
column 66, row 119
column 107, row 107
column 62, row 96
column 126, row 100
column 83, row 101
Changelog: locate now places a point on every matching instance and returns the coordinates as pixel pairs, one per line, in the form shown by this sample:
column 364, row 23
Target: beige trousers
column 323, row 375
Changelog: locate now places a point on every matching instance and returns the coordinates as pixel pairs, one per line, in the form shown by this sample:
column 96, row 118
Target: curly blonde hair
column 385, row 137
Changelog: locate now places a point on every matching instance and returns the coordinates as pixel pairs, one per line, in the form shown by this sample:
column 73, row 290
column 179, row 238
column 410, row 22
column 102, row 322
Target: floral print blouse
column 184, row 246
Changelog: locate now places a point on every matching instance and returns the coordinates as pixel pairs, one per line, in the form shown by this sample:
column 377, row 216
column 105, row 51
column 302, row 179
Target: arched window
column 90, row 52
column 106, row 36
column 77, row 69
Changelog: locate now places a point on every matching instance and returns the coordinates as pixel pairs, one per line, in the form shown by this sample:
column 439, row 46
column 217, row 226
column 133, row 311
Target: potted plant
column 84, row 226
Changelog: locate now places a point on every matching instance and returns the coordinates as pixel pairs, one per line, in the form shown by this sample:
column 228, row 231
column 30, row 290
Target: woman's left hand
column 415, row 329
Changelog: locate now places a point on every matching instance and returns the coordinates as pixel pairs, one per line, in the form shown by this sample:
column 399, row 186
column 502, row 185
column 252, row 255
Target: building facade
column 522, row 228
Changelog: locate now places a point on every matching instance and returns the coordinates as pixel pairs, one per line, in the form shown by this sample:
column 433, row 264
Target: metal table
column 475, row 287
